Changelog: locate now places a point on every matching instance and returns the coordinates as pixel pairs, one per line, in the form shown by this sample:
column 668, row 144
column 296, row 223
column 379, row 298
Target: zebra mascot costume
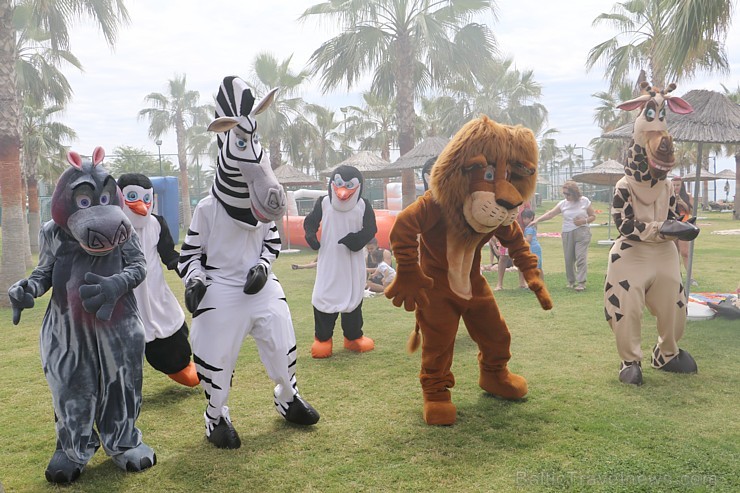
column 226, row 264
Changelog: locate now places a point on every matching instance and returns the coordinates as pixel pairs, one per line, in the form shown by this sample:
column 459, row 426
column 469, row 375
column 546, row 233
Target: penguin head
column 345, row 187
column 138, row 197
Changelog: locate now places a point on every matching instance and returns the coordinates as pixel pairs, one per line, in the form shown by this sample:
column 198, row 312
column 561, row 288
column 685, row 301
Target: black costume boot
column 224, row 435
column 630, row 372
column 301, row 412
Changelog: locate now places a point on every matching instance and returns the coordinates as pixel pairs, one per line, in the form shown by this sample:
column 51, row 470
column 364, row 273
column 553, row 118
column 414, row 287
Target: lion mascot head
column 483, row 175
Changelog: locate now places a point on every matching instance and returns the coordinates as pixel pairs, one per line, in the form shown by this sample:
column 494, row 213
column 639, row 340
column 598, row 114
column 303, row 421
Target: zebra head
column 244, row 180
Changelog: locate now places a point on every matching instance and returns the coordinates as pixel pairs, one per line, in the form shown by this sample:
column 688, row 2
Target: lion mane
column 512, row 150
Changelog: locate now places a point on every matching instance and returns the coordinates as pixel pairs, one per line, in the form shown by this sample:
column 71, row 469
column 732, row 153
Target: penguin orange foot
column 362, row 344
column 321, row 349
column 188, row 376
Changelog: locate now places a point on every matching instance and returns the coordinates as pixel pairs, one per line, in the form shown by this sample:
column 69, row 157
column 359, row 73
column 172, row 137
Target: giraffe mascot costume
column 477, row 185
column 643, row 267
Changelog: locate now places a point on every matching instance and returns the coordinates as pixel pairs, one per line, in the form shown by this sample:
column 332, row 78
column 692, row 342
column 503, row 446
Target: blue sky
column 208, row 40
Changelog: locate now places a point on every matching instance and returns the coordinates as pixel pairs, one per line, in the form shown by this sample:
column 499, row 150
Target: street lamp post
column 159, row 151
column 714, row 186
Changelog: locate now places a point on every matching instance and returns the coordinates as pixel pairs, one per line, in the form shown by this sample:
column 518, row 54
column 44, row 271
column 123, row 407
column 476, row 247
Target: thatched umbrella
column 368, row 163
column 416, row 157
column 607, row 173
column 727, row 174
column 287, row 175
column 715, row 120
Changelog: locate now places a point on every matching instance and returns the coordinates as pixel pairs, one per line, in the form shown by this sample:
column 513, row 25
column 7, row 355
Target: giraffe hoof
column 683, row 362
column 631, row 373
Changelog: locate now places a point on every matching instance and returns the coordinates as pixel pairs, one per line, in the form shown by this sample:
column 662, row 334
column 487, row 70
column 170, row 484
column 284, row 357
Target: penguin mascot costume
column 347, row 223
column 167, row 346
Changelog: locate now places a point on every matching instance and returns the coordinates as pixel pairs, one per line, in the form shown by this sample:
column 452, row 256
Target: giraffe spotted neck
column 637, row 167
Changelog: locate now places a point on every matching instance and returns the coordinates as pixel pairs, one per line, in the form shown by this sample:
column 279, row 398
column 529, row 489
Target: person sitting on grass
column 383, row 274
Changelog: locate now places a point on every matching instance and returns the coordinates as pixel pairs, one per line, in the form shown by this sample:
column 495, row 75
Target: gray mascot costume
column 92, row 338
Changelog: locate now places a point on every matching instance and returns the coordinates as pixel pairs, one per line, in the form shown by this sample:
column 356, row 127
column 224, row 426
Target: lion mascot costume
column 477, row 184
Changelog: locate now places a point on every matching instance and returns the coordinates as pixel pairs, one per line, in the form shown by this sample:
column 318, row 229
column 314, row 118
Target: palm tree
column 669, row 39
column 129, row 159
column 201, row 143
column 409, row 47
column 179, row 109
column 609, row 117
column 505, row 94
column 373, row 125
column 109, row 15
column 42, row 144
column 268, row 73
column 325, row 135
column 549, row 153
column 735, row 97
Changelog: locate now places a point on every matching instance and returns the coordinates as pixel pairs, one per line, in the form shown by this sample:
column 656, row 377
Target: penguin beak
column 343, row 193
column 139, row 207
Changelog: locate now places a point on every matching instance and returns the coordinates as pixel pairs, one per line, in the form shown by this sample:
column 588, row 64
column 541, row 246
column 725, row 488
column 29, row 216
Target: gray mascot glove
column 256, row 279
column 21, row 296
column 99, row 294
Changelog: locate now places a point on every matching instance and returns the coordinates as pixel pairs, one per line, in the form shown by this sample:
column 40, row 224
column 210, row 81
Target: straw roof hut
column 607, row 173
column 416, row 157
column 726, row 174
column 368, row 163
column 715, row 119
column 290, row 176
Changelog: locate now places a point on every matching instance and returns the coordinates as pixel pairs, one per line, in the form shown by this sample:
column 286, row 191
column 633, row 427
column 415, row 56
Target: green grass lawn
column 579, row 429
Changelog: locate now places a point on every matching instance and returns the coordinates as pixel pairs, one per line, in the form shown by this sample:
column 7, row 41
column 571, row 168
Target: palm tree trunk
column 405, row 115
column 13, row 215
column 27, row 256
column 736, row 207
column 34, row 215
column 276, row 155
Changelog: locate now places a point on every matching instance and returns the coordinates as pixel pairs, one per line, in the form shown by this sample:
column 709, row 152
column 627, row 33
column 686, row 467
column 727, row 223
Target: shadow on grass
column 169, row 394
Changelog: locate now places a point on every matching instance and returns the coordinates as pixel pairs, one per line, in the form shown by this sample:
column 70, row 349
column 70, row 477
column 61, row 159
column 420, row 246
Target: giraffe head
column 651, row 138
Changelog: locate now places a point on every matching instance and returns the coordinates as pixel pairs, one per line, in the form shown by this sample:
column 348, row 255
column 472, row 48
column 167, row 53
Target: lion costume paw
column 504, row 384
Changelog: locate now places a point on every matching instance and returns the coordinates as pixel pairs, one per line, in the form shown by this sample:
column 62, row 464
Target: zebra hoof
column 630, row 372
column 683, row 362
column 301, row 412
column 224, row 435
column 61, row 470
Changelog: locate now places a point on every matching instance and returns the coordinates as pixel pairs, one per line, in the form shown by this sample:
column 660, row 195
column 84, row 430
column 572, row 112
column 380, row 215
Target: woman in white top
column 577, row 214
